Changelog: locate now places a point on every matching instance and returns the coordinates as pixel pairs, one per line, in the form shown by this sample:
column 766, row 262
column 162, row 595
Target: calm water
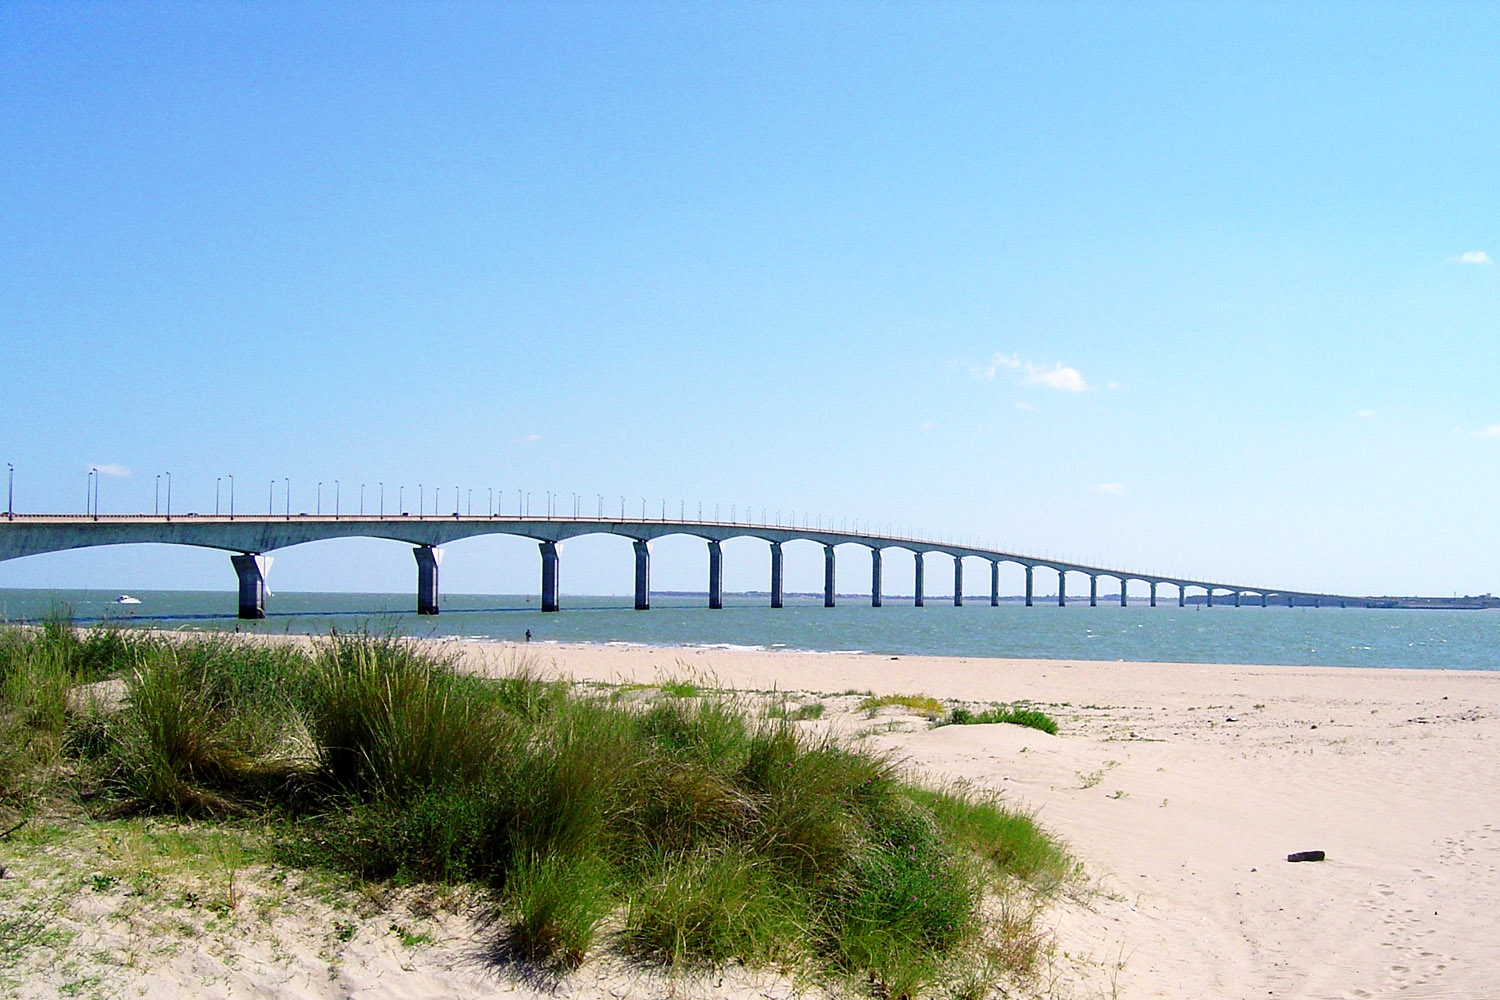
column 1467, row 640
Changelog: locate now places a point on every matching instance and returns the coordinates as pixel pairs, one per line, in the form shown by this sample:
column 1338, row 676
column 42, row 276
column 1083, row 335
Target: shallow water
column 1467, row 640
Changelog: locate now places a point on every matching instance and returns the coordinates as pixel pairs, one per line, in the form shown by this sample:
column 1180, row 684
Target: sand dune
column 1182, row 787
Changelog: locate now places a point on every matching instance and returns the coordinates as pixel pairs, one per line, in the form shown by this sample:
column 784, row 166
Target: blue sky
column 1193, row 289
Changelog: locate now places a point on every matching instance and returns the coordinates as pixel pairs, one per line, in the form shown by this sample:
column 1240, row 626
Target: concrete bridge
column 250, row 539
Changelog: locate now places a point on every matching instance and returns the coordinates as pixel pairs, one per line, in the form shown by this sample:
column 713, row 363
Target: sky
column 1206, row 290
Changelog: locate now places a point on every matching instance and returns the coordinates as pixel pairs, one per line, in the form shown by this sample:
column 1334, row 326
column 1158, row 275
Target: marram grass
column 682, row 830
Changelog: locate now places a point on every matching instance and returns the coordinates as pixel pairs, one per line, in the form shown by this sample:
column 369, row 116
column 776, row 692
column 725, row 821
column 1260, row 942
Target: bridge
column 251, row 539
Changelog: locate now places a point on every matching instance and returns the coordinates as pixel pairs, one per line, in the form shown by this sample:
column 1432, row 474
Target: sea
column 1337, row 637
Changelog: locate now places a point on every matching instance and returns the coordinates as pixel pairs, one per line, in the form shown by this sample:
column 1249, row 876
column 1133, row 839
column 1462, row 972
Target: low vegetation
column 1011, row 714
column 690, row 829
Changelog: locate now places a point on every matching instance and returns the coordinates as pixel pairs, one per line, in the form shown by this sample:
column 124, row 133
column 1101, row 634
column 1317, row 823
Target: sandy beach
column 1181, row 787
column 1184, row 787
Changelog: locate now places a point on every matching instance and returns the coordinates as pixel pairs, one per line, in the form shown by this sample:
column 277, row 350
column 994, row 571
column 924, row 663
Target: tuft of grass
column 709, row 907
column 922, row 704
column 1012, row 715
column 811, row 710
column 559, row 901
column 1010, row 841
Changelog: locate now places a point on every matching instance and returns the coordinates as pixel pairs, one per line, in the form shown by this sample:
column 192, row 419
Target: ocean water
column 1468, row 640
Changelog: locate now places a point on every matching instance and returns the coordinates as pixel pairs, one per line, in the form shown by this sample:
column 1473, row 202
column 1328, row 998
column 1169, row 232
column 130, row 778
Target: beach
column 1181, row 788
column 1184, row 787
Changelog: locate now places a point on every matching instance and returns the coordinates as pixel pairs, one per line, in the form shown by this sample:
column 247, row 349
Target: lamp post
column 157, row 509
column 335, row 499
column 491, row 507
column 217, row 480
column 288, row 483
column 169, row 496
column 10, row 492
column 231, row 498
column 318, row 502
column 271, row 499
column 421, row 500
column 88, row 494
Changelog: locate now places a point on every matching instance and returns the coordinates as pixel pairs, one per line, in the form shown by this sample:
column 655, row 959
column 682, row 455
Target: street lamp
column 157, row 509
column 288, row 482
column 10, row 492
column 421, row 500
column 271, row 499
column 469, row 510
column 217, row 480
column 88, row 493
column 169, row 496
column 335, row 499
column 318, row 503
column 231, row 498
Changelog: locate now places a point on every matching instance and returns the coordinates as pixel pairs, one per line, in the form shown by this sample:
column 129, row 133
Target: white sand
column 1182, row 788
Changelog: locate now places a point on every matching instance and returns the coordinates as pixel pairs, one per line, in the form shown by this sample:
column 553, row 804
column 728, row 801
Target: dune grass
column 689, row 829
column 1011, row 714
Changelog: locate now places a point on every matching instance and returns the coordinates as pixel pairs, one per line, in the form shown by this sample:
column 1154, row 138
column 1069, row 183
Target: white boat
column 126, row 599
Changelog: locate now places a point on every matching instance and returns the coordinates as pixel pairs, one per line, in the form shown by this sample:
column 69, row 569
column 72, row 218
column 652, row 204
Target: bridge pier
column 1265, row 601
column 1209, row 593
column 1181, row 595
column 1093, row 590
column 918, row 581
column 715, row 575
column 1124, row 592
column 994, row 585
column 1029, row 584
column 1236, row 598
column 1062, row 588
column 958, row 581
column 429, row 558
column 1153, row 593
column 776, row 588
column 642, row 575
column 549, row 576
column 828, row 576
column 251, row 568
column 874, row 578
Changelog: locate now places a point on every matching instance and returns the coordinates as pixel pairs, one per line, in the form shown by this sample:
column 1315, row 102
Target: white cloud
column 927, row 425
column 1493, row 431
column 1113, row 489
column 530, row 439
column 113, row 471
column 1059, row 376
column 1474, row 257
column 1364, row 414
column 1056, row 376
column 990, row 369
